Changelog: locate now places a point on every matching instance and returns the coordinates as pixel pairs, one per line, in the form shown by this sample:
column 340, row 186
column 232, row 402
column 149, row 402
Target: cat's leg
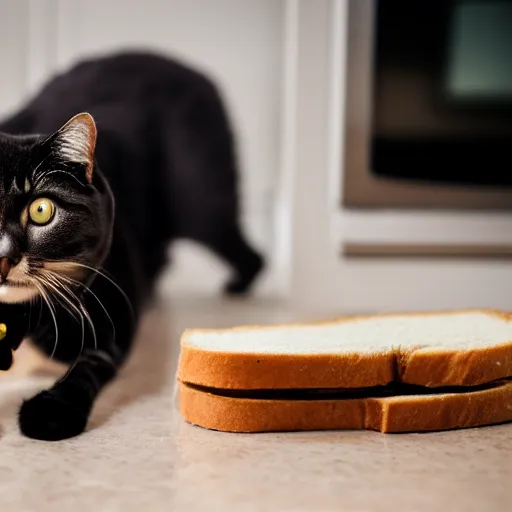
column 199, row 179
column 63, row 410
column 230, row 245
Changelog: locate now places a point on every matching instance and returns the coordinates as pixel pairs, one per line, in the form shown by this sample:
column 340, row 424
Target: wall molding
column 41, row 42
column 427, row 251
column 283, row 220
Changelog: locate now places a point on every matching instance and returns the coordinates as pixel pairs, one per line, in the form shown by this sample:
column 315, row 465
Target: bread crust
column 423, row 366
column 267, row 371
column 407, row 413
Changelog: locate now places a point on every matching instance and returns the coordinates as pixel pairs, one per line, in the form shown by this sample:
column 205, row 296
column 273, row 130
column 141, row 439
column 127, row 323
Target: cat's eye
column 41, row 211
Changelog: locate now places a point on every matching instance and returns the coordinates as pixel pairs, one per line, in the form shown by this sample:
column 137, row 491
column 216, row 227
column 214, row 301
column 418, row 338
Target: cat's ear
column 76, row 142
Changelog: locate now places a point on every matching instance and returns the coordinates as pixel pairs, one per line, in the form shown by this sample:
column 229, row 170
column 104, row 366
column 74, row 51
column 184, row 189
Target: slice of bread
column 487, row 405
column 460, row 348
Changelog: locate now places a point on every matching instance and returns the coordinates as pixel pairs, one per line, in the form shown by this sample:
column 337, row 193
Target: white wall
column 319, row 278
column 13, row 15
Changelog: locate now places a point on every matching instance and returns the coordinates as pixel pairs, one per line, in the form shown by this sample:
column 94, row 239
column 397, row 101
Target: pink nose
column 10, row 255
column 5, row 267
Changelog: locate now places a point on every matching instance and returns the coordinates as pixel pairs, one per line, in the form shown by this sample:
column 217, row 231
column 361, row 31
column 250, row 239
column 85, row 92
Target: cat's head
column 56, row 213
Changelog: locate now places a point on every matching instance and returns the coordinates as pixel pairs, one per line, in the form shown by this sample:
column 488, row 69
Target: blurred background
column 373, row 136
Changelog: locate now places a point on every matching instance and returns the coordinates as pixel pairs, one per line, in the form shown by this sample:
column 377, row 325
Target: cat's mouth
column 15, row 284
column 57, row 280
column 17, row 291
column 31, row 279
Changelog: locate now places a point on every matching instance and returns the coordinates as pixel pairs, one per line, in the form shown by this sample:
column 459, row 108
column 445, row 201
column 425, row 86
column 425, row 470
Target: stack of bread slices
column 391, row 373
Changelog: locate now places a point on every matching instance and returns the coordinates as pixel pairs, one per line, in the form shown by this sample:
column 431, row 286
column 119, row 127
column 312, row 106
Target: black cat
column 88, row 205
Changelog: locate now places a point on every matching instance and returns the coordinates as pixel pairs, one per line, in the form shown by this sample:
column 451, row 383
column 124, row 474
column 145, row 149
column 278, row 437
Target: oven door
column 429, row 104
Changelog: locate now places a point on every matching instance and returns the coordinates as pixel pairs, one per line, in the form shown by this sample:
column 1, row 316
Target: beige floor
column 139, row 455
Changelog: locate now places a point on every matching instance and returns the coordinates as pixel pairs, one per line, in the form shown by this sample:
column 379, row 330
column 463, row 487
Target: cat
column 110, row 162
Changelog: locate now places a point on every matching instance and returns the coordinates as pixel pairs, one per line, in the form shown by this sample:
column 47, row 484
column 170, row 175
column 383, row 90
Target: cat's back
column 122, row 76
column 118, row 90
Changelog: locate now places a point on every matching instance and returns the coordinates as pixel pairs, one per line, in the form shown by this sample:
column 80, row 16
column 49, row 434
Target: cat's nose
column 9, row 257
column 5, row 268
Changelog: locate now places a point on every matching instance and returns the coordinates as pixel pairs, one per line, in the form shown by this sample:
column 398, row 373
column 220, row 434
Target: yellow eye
column 41, row 211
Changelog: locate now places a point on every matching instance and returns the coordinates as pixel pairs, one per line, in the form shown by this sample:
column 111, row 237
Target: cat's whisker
column 53, row 280
column 83, row 285
column 44, row 279
column 86, row 314
column 47, row 174
column 123, row 293
column 82, row 323
column 80, row 308
column 81, row 346
column 55, row 288
column 40, row 286
column 53, row 312
column 39, row 165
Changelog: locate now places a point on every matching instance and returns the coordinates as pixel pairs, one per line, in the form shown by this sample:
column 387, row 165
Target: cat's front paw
column 48, row 418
